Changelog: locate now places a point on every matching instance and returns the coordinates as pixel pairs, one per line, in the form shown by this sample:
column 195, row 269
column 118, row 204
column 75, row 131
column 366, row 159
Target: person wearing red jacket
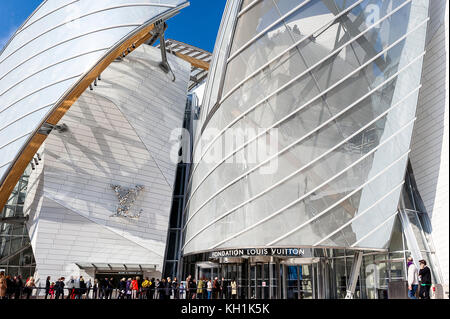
column 134, row 288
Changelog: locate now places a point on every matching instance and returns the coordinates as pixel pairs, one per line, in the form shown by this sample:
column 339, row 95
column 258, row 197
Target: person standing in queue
column 29, row 286
column 3, row 285
column 194, row 289
column 95, row 289
column 209, row 288
column 168, row 288
column 216, row 288
column 122, row 288
column 134, row 288
column 102, row 288
column 157, row 289
column 111, row 288
column 175, row 288
column 128, row 288
column 413, row 280
column 145, row 286
column 233, row 289
column 223, row 289
column 425, row 280
column 188, row 284
column 70, row 287
column 82, row 287
column 51, row 290
column 152, row 288
column 88, row 288
column 182, row 290
column 76, row 289
column 19, row 287
column 59, row 288
column 47, row 287
column 11, row 288
column 162, row 289
column 200, row 289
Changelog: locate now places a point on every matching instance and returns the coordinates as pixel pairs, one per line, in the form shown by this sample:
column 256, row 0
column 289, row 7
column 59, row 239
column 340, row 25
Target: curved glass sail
column 51, row 52
column 307, row 141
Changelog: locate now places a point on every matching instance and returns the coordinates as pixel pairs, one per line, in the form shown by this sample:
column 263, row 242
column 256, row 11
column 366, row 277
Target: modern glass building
column 16, row 254
column 325, row 94
column 85, row 97
column 310, row 166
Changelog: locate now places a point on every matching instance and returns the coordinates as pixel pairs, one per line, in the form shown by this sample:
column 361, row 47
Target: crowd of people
column 166, row 288
column 15, row 287
column 107, row 288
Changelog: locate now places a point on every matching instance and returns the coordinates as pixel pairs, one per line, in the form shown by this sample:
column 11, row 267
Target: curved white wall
column 118, row 134
column 60, row 42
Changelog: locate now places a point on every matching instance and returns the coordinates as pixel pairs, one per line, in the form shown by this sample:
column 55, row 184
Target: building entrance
column 267, row 277
column 298, row 282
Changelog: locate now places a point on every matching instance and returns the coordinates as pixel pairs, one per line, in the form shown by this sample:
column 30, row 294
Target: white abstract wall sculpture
column 127, row 197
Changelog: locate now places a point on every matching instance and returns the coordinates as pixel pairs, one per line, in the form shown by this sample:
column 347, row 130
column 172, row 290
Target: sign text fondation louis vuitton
column 258, row 252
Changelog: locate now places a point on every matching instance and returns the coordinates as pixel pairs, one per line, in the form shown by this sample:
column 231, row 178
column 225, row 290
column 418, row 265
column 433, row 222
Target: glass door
column 206, row 272
column 300, row 281
column 263, row 281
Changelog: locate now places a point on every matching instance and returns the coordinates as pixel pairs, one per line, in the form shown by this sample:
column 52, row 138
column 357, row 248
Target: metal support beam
column 413, row 245
column 160, row 28
column 14, row 254
column 14, row 220
column 354, row 274
column 47, row 128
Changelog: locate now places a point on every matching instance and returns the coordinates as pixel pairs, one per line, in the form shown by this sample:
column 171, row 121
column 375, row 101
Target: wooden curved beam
column 195, row 62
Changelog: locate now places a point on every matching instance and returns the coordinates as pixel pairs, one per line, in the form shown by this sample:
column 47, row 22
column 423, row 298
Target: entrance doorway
column 303, row 278
column 207, row 270
column 299, row 281
column 263, row 280
column 268, row 278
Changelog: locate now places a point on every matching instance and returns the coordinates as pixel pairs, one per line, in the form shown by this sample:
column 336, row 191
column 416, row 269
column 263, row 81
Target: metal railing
column 116, row 293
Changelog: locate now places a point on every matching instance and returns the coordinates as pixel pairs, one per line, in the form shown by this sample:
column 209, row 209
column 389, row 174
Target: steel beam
column 354, row 274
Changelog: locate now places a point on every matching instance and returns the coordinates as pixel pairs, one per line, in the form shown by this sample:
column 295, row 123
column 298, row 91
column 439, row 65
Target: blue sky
column 196, row 25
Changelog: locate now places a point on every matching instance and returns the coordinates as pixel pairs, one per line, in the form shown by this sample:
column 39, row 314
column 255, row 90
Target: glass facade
column 16, row 254
column 174, row 235
column 335, row 85
column 328, row 90
column 327, row 275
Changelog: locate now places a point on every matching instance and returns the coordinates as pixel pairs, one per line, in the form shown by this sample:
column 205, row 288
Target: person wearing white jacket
column 413, row 279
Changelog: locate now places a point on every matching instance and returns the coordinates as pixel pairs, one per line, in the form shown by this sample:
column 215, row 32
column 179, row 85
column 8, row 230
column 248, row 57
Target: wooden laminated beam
column 195, row 62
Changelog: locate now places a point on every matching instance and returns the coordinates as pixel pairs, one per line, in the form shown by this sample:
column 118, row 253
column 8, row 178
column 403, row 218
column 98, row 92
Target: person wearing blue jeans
column 209, row 288
column 413, row 279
